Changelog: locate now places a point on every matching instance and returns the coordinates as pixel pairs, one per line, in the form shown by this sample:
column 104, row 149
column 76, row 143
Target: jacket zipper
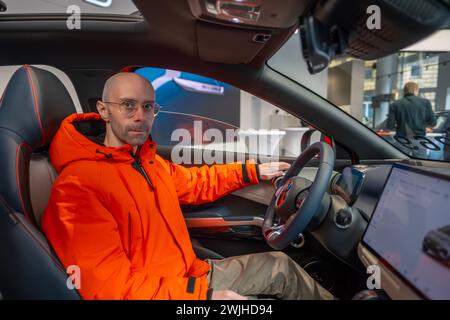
column 138, row 166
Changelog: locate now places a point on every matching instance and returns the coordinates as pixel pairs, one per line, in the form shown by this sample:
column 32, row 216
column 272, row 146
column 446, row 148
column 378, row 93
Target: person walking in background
column 411, row 116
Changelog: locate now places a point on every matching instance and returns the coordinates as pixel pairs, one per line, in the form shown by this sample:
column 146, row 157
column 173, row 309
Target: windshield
column 403, row 97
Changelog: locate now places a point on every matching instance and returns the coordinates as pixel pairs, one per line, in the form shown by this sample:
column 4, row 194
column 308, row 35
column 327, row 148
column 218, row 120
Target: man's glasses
column 130, row 107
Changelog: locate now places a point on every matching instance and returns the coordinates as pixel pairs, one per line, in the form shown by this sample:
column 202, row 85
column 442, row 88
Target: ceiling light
column 237, row 11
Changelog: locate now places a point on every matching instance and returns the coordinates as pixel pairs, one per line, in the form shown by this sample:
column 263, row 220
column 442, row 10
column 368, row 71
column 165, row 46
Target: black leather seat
column 32, row 107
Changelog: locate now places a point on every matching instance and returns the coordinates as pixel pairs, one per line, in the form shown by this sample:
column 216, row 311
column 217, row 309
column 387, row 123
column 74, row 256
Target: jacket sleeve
column 430, row 117
column 84, row 233
column 196, row 185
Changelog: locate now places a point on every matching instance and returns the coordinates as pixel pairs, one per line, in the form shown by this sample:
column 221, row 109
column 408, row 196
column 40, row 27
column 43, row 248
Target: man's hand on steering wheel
column 270, row 170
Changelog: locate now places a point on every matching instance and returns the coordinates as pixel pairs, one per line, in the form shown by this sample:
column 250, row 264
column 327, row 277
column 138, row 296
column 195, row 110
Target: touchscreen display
column 410, row 230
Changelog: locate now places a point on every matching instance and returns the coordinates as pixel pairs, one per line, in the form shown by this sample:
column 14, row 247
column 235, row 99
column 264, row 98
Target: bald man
column 114, row 211
column 123, row 91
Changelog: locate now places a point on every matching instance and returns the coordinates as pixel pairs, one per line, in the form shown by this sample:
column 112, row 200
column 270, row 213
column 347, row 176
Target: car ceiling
column 169, row 36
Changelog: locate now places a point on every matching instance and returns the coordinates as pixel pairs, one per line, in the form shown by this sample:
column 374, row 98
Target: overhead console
column 266, row 14
column 235, row 31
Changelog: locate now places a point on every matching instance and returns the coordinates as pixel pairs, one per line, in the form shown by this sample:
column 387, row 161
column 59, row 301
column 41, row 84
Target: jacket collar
column 80, row 137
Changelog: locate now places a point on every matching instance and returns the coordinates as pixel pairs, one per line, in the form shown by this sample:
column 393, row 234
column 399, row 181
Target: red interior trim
column 36, row 106
column 132, row 68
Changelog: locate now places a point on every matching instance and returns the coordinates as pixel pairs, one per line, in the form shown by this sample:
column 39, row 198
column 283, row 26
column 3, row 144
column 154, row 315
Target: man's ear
column 101, row 108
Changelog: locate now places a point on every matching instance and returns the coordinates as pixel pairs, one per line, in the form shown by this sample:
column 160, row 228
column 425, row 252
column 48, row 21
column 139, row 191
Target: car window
column 204, row 113
column 381, row 94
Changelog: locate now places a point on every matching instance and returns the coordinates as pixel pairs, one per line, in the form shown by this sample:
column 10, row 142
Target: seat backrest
column 32, row 107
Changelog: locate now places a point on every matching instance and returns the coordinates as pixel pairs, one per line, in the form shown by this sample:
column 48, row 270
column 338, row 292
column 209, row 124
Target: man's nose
column 140, row 114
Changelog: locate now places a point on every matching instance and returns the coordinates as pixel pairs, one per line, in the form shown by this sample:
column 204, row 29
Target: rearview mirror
column 320, row 44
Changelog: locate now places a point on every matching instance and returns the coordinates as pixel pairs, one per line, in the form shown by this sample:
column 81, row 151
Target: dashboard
column 356, row 232
column 405, row 230
column 360, row 186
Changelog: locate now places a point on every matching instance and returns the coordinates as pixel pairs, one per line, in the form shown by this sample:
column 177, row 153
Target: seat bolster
column 42, row 176
column 29, row 269
column 14, row 163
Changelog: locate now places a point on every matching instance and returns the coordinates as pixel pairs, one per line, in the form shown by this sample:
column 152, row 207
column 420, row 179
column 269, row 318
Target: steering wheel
column 297, row 200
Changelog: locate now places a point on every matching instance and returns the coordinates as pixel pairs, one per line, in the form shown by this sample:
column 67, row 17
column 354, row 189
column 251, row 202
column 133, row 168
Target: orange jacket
column 129, row 239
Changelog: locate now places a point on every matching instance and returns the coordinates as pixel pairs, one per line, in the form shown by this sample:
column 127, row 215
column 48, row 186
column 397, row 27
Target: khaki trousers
column 269, row 273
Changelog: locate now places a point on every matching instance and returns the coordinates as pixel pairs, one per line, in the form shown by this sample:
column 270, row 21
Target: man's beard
column 135, row 140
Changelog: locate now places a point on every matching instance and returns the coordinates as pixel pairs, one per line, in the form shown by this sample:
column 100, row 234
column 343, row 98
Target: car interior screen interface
column 410, row 230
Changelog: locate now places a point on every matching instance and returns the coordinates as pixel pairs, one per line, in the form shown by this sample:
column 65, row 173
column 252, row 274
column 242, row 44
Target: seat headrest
column 34, row 104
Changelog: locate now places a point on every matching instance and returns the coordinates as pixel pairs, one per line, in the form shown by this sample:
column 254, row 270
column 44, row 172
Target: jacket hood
column 80, row 137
